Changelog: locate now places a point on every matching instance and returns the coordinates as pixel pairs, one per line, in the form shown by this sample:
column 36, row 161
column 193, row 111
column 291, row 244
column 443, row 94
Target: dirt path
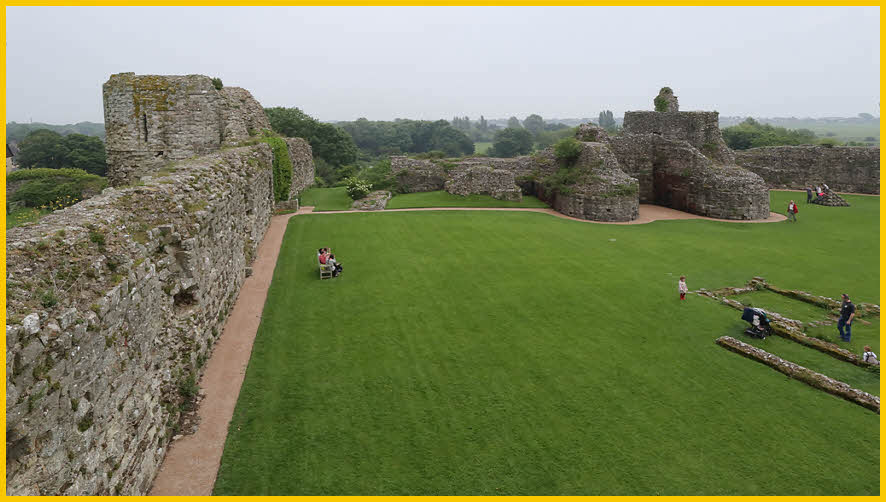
column 191, row 465
column 648, row 214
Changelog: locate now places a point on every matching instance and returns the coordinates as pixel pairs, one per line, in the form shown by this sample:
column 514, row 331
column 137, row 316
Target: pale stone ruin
column 114, row 303
column 674, row 159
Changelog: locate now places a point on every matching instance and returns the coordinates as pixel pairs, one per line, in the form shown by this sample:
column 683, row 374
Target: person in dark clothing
column 336, row 266
column 847, row 313
column 808, row 195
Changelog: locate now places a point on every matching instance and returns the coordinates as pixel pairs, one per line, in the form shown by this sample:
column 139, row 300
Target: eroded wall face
column 843, row 168
column 152, row 120
column 112, row 303
column 700, row 129
column 302, row 158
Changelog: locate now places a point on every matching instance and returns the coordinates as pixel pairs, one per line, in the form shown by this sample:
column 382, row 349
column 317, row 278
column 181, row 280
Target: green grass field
column 24, row 215
column 518, row 353
column 445, row 199
column 326, row 199
column 482, row 146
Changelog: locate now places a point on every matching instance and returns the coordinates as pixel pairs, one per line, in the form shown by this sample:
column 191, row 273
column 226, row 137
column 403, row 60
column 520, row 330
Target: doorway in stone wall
column 670, row 189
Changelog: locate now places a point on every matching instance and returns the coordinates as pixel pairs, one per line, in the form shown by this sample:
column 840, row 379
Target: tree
column 752, row 134
column 514, row 123
column 534, row 124
column 483, row 125
column 510, row 142
column 42, row 148
column 606, row 120
column 45, row 148
column 328, row 142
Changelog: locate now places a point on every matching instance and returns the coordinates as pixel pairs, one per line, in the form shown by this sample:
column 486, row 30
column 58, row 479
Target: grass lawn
column 518, row 353
column 326, row 199
column 482, row 146
column 445, row 199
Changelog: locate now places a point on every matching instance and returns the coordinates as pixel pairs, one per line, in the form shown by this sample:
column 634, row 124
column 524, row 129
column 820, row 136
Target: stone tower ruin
column 152, row 120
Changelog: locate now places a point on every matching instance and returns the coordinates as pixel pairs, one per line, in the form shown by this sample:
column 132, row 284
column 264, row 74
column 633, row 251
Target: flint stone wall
column 151, row 120
column 805, row 375
column 302, row 158
column 700, row 129
column 844, row 168
column 687, row 180
column 416, row 175
column 111, row 303
column 499, row 183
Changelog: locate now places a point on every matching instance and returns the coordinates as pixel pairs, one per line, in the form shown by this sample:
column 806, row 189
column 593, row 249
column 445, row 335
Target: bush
column 357, row 188
column 54, row 188
column 379, row 175
column 217, row 83
column 282, row 166
column 567, row 150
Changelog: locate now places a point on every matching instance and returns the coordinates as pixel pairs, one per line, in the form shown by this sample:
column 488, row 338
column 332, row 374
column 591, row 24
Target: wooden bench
column 325, row 271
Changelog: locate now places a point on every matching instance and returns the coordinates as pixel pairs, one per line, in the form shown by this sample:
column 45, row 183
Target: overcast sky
column 341, row 63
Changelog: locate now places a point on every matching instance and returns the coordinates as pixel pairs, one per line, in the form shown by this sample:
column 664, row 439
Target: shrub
column 379, row 175
column 282, row 166
column 48, row 299
column 97, row 237
column 217, row 83
column 357, row 188
column 567, row 150
column 54, row 188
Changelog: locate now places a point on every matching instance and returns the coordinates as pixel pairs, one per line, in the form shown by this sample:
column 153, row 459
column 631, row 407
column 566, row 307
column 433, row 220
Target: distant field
column 841, row 131
column 482, row 146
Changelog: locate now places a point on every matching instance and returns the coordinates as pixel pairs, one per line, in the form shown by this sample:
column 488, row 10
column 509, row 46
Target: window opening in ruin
column 183, row 299
column 158, row 154
column 145, row 125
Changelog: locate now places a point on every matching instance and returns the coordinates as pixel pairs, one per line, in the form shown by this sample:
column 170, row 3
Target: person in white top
column 681, row 287
column 792, row 211
column 869, row 357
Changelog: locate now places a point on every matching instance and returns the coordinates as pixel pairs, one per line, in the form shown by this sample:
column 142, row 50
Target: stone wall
column 843, row 168
column 499, row 183
column 417, row 175
column 302, row 165
column 112, row 304
column 687, row 180
column 700, row 129
column 151, row 120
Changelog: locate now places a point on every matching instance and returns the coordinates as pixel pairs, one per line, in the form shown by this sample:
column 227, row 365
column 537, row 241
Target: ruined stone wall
column 111, row 304
column 700, row 129
column 151, row 120
column 843, row 168
column 635, row 155
column 499, row 183
column 685, row 179
column 302, row 158
column 417, row 175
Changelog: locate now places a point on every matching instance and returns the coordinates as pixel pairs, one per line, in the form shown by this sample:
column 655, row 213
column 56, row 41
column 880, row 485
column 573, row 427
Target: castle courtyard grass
column 487, row 353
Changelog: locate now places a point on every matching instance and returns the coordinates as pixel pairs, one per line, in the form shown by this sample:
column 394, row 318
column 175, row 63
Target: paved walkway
column 191, row 465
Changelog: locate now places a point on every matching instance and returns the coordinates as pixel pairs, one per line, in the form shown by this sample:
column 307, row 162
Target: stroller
column 759, row 321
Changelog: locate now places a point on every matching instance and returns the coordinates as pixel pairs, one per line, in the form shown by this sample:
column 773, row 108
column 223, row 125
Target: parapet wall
column 843, row 168
column 113, row 305
column 151, row 120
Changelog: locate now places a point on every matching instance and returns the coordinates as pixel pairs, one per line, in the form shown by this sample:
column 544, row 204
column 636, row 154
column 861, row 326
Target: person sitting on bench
column 336, row 266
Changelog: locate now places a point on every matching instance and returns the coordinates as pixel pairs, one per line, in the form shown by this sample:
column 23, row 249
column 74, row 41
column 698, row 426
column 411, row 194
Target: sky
column 342, row 63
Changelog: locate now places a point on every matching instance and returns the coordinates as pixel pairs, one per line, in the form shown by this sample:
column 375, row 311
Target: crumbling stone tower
column 666, row 101
column 151, row 120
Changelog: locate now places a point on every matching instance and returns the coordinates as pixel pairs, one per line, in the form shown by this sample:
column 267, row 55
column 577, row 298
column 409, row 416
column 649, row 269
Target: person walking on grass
column 792, row 211
column 681, row 287
column 847, row 313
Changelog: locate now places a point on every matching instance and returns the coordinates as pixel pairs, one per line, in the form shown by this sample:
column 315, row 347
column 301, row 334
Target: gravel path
column 191, row 465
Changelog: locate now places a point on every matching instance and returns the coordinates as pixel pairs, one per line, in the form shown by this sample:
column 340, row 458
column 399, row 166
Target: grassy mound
column 517, row 353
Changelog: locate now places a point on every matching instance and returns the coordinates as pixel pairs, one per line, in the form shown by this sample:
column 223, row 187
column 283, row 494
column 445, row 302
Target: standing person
column 847, row 313
column 825, row 187
column 808, row 195
column 681, row 287
column 818, row 190
column 869, row 357
column 792, row 211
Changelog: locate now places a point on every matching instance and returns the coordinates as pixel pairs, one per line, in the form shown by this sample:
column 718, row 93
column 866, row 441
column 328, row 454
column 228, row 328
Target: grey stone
column 31, row 324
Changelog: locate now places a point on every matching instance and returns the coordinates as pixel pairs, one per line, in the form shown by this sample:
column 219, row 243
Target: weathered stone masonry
column 141, row 290
column 114, row 304
column 843, row 168
column 151, row 120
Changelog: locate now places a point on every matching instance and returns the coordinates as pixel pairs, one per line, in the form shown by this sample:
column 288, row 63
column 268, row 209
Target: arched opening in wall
column 145, row 125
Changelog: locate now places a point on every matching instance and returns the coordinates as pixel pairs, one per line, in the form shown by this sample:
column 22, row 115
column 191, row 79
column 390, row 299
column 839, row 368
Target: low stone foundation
column 805, row 375
column 374, row 201
column 830, row 199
